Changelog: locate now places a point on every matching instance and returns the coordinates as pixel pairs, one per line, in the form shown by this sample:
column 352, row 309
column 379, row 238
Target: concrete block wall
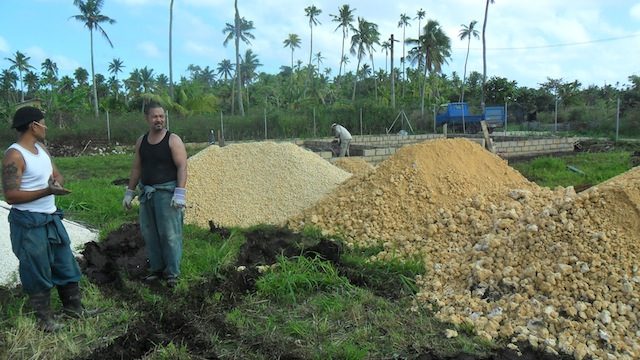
column 504, row 149
column 533, row 147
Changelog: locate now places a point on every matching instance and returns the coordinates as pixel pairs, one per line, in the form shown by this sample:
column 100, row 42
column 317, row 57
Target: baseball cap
column 26, row 115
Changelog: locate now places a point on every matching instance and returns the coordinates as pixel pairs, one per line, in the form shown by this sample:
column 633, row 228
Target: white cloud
column 4, row 45
column 635, row 11
column 199, row 49
column 149, row 49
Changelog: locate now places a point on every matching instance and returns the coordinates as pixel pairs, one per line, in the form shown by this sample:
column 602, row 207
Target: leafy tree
column 20, row 62
column 467, row 32
column 293, row 42
column 92, row 18
column 240, row 30
column 345, row 21
column 484, row 50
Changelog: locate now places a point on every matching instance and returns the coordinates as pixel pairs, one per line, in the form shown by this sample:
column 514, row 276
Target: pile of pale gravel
column 256, row 183
column 557, row 269
column 354, row 165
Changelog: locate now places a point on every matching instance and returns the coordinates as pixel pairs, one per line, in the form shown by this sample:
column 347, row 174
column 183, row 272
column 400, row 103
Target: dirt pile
column 256, row 183
column 401, row 197
column 355, row 166
column 554, row 268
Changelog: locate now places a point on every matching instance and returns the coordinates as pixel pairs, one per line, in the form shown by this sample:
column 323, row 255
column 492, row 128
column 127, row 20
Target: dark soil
column 192, row 321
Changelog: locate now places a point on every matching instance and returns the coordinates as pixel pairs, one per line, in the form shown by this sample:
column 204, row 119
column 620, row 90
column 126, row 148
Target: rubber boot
column 41, row 304
column 72, row 301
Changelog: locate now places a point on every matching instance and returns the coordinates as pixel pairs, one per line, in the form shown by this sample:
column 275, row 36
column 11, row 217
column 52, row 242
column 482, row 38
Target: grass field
column 302, row 308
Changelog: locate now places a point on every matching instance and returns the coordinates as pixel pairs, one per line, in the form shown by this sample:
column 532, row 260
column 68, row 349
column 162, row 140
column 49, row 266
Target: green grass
column 555, row 171
column 345, row 323
column 302, row 307
column 293, row 278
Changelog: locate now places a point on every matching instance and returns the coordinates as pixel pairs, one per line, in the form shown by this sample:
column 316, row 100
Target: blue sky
column 596, row 42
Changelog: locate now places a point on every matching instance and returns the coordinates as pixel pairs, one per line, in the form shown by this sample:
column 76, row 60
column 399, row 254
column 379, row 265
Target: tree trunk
column 238, row 70
column 484, row 53
column 171, row 50
column 355, row 82
column 93, row 75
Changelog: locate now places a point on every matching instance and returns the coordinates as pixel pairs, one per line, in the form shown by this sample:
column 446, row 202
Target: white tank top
column 36, row 175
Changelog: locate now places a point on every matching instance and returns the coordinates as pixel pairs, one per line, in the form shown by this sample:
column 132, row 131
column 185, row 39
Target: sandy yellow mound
column 356, row 166
column 256, row 183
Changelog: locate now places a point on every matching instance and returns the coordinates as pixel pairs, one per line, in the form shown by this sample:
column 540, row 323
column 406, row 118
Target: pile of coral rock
column 553, row 267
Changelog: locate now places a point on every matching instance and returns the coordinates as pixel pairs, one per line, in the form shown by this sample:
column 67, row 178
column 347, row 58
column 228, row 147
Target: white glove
column 179, row 200
column 128, row 197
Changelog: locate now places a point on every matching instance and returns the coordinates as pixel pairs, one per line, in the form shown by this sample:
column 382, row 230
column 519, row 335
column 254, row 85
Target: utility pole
column 393, row 77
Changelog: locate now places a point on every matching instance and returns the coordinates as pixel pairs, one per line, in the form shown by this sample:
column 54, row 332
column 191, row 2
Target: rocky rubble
column 519, row 262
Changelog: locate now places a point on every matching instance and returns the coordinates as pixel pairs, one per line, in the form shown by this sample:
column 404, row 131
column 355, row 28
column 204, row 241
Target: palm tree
column 419, row 16
column 92, row 18
column 318, row 58
column 50, row 76
column 484, row 51
column 20, row 62
column 115, row 66
column 171, row 50
column 403, row 23
column 225, row 67
column 467, row 32
column 32, row 81
column 249, row 65
column 386, row 45
column 147, row 82
column 293, row 42
column 312, row 12
column 362, row 40
column 81, row 75
column 433, row 48
column 345, row 21
column 240, row 30
column 8, row 81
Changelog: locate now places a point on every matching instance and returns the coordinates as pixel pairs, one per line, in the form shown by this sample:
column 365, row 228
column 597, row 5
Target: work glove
column 128, row 197
column 179, row 200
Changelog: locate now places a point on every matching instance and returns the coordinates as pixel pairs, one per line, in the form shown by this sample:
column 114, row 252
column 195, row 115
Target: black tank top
column 157, row 164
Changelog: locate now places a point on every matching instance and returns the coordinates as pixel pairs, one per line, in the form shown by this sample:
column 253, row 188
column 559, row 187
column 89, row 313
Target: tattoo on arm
column 10, row 179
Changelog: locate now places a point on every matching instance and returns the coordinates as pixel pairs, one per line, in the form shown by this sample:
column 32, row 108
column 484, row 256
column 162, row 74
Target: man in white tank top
column 39, row 240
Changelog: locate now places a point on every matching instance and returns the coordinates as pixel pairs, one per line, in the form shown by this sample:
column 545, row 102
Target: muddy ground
column 192, row 323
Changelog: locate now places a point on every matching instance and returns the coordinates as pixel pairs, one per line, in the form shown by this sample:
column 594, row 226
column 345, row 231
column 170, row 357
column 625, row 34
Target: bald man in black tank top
column 159, row 171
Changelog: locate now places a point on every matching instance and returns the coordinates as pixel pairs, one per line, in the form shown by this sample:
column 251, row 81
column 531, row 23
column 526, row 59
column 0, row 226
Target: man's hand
column 128, row 197
column 56, row 188
column 179, row 198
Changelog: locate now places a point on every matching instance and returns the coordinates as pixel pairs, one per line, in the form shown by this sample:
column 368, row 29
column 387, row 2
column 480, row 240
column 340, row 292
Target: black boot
column 41, row 304
column 72, row 301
